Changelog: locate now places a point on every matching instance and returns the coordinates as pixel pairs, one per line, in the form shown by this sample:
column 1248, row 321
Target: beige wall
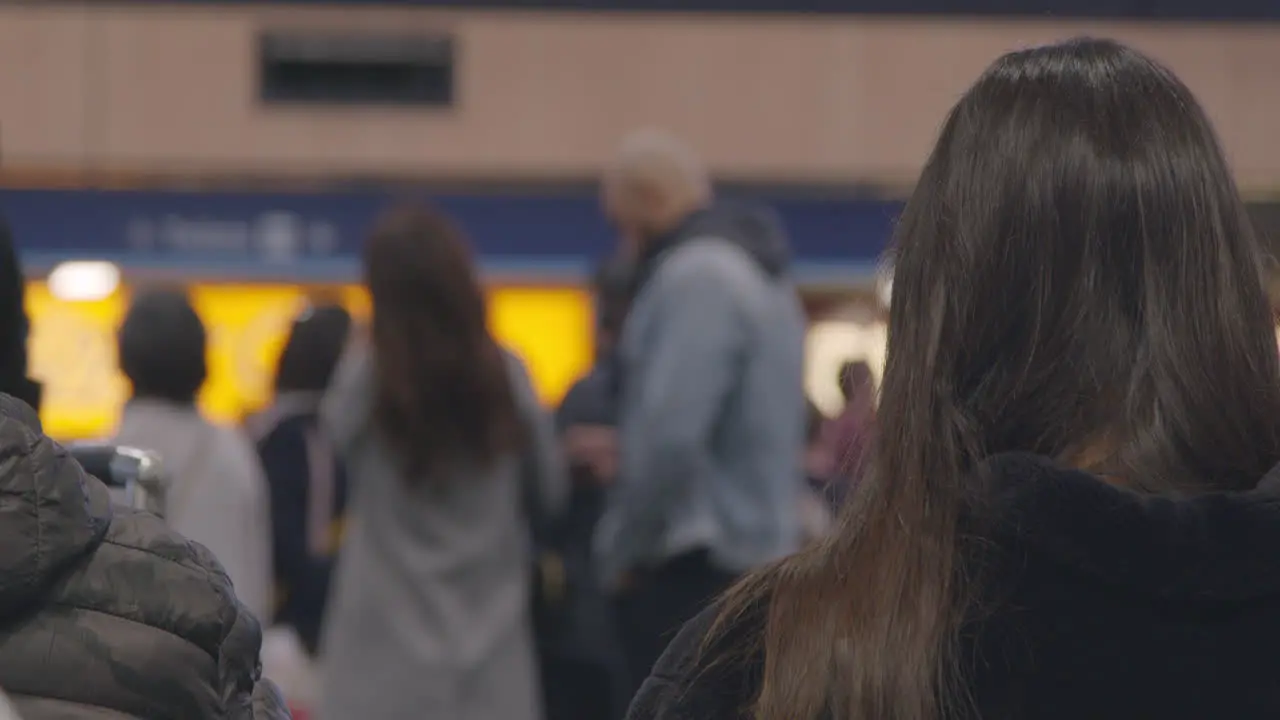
column 174, row 89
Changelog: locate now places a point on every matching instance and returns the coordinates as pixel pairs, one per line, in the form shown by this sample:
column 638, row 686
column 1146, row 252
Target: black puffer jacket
column 104, row 611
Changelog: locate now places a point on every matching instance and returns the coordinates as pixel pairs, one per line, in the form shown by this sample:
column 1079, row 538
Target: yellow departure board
column 72, row 349
column 73, row 346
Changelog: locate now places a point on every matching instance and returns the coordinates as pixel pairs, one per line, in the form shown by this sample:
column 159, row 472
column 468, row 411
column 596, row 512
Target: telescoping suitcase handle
column 135, row 477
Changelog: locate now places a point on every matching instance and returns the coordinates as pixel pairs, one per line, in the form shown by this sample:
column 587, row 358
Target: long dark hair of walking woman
column 443, row 390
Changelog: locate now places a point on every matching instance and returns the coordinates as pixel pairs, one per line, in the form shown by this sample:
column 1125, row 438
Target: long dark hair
column 1075, row 276
column 443, row 388
column 313, row 348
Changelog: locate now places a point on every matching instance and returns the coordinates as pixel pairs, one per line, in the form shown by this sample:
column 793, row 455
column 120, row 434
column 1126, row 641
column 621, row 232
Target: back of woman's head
column 1074, row 277
column 161, row 347
column 312, row 350
column 443, row 389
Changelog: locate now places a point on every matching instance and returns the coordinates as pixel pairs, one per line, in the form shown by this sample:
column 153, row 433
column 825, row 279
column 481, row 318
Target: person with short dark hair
column 162, row 348
column 307, row 481
column 217, row 495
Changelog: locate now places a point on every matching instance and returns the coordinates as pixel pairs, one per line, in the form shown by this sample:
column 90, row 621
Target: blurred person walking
column 446, row 448
column 712, row 408
column 105, row 611
column 583, row 672
column 588, row 414
column 818, row 463
column 307, row 482
column 13, row 317
column 848, row 436
column 308, row 489
column 1074, row 494
column 217, row 495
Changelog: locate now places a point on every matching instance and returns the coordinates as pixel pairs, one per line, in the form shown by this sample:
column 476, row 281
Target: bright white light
column 84, row 280
column 831, row 343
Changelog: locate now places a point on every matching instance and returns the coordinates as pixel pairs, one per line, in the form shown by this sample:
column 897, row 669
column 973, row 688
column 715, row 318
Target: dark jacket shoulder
column 702, row 676
column 145, row 621
column 590, row 400
column 1095, row 601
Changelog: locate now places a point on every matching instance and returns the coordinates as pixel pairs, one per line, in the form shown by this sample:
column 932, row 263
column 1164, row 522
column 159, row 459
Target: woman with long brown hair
column 446, row 449
column 1071, row 509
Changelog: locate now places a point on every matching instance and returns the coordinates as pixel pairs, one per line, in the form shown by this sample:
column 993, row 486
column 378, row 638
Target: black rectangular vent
column 352, row 69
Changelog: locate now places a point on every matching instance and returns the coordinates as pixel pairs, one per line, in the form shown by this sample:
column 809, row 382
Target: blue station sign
column 318, row 236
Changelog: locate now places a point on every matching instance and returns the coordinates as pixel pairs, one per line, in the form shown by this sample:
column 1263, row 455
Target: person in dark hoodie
column 306, row 479
column 592, row 400
column 581, row 662
column 1073, row 496
column 711, row 398
column 105, row 612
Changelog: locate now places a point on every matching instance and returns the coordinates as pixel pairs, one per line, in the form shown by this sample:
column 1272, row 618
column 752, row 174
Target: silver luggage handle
column 135, row 477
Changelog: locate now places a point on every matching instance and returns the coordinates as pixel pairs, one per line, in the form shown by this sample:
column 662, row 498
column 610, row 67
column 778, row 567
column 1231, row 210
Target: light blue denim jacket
column 711, row 416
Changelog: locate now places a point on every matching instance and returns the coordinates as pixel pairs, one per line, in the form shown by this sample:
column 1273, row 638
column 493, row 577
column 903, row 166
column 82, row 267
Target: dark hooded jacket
column 754, row 228
column 1098, row 603
column 105, row 612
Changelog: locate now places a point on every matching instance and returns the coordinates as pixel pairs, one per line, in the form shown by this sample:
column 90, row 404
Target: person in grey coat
column 430, row 616
column 711, row 397
column 105, row 612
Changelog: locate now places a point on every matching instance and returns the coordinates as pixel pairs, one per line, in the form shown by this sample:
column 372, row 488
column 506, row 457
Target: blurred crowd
column 1058, row 507
column 418, row 537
